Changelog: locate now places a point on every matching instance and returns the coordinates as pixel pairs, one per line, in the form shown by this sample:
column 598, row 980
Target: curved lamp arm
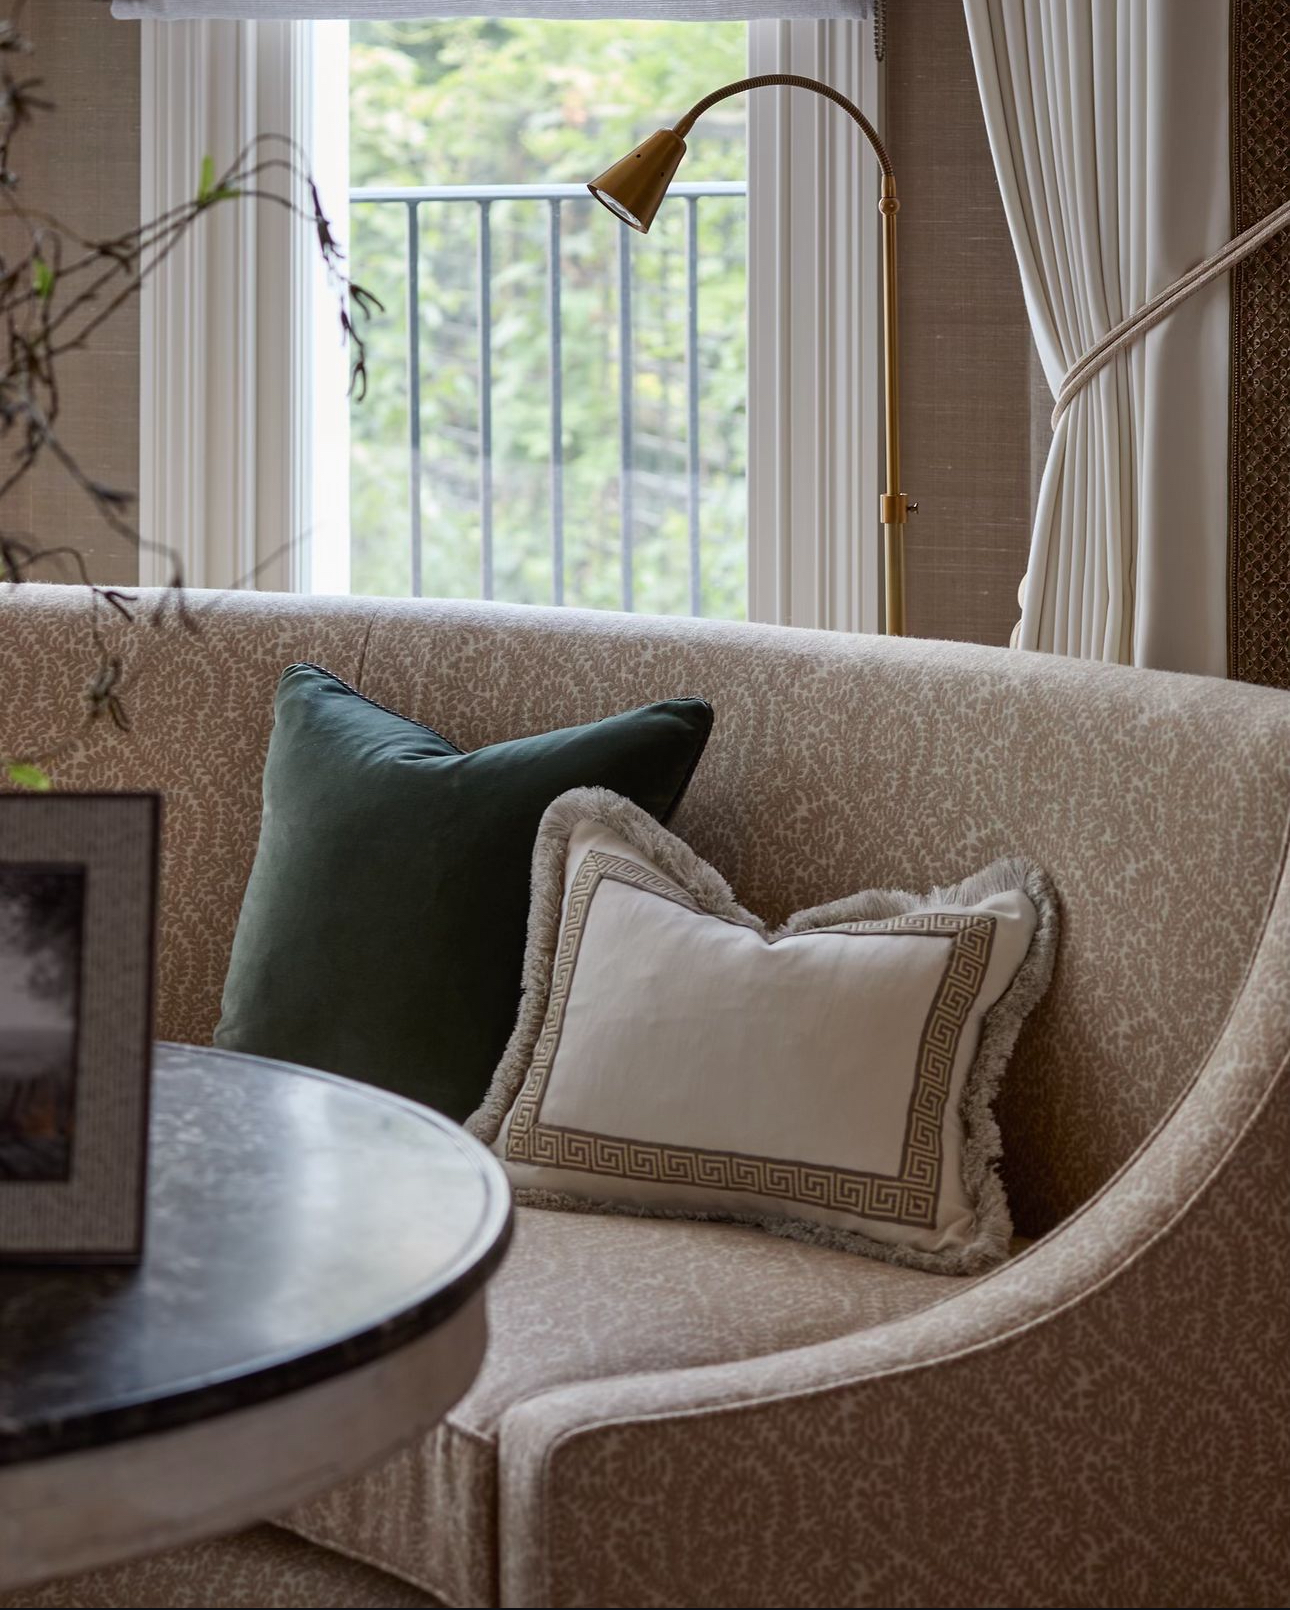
column 792, row 81
column 633, row 190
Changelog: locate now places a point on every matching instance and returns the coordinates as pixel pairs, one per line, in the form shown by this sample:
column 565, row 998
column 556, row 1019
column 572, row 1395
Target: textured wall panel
column 966, row 346
column 81, row 163
column 1259, row 509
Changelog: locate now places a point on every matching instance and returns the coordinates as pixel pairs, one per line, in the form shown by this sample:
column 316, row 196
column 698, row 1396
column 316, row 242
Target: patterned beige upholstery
column 263, row 1569
column 586, row 1297
column 1104, row 1420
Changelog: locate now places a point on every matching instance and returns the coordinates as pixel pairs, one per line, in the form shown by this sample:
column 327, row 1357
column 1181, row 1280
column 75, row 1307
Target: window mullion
column 814, row 333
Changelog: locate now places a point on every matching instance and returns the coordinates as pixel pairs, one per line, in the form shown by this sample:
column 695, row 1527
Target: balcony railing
column 552, row 196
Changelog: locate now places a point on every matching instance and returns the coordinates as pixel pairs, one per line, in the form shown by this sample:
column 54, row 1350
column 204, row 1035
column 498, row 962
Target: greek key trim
column 909, row 1197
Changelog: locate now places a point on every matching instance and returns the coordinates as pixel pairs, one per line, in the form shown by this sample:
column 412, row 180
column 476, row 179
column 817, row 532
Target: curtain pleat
column 572, row 10
column 1108, row 125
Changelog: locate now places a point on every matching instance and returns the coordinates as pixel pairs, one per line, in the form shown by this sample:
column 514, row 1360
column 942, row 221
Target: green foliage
column 42, row 279
column 208, row 192
column 206, row 183
column 24, row 775
column 492, row 101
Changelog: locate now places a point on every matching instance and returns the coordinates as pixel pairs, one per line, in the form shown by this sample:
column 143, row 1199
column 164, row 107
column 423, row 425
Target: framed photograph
column 78, row 896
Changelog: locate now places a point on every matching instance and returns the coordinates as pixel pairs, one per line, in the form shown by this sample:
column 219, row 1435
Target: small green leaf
column 208, row 192
column 25, row 775
column 206, row 184
column 42, row 279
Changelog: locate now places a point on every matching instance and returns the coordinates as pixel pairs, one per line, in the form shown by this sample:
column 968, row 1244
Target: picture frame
column 78, row 899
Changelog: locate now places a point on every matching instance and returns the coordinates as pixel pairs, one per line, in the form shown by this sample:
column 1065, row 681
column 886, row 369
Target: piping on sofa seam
column 1148, row 1140
column 1162, row 1233
column 859, row 1382
column 362, row 652
column 1157, row 1129
column 469, row 1432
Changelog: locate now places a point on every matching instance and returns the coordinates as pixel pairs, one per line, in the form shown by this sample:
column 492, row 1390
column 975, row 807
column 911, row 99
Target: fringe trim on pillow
column 982, row 1143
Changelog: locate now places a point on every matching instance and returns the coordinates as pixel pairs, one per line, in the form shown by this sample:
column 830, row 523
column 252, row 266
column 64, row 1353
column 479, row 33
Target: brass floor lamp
column 633, row 190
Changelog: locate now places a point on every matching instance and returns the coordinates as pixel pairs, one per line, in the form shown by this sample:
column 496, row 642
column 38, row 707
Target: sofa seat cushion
column 584, row 1297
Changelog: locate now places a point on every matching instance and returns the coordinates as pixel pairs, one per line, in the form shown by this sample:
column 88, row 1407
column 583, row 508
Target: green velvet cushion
column 383, row 929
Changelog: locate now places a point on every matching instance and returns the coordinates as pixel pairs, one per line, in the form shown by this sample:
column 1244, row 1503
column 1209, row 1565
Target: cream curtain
column 368, row 10
column 1108, row 121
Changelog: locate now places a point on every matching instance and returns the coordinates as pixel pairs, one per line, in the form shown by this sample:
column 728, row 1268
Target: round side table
column 310, row 1298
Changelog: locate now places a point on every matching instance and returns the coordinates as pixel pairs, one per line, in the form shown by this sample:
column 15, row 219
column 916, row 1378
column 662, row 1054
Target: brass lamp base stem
column 894, row 575
column 893, row 506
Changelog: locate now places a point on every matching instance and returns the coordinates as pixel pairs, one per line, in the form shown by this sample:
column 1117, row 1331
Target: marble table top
column 298, row 1226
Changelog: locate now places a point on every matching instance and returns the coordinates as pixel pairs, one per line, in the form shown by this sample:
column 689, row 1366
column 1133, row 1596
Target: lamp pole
column 893, row 506
column 633, row 190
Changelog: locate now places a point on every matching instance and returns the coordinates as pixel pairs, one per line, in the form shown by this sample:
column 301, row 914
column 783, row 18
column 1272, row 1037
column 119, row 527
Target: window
column 557, row 408
column 252, row 465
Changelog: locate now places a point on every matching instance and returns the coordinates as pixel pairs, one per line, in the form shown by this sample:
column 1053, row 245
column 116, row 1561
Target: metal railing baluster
column 557, row 402
column 626, row 379
column 692, row 398
column 414, row 394
column 482, row 196
column 485, row 400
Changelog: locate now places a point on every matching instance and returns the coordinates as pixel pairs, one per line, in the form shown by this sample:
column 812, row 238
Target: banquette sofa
column 702, row 1414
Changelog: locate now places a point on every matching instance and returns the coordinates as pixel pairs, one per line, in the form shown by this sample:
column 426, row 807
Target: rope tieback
column 1152, row 313
column 1163, row 304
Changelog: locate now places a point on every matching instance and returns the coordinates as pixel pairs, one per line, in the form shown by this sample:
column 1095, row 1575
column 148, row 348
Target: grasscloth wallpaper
column 966, row 405
column 81, row 164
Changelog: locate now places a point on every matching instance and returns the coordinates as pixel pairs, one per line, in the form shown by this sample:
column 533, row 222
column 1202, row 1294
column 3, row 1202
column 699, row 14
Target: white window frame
column 814, row 332
column 244, row 454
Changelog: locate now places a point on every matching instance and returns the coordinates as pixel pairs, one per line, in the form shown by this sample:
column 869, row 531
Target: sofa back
column 1158, row 803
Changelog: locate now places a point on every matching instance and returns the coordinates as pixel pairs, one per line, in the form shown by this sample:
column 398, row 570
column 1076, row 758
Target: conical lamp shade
column 633, row 188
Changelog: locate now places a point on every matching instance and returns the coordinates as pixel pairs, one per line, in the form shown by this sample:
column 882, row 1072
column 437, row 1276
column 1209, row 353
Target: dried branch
column 56, row 292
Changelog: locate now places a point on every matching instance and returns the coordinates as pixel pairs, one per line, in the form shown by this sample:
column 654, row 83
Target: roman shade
column 572, row 10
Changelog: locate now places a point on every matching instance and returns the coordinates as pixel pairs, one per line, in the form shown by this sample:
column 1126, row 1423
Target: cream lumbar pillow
column 830, row 1080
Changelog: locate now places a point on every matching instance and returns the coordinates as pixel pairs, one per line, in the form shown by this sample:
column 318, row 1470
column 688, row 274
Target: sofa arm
column 1105, row 1420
